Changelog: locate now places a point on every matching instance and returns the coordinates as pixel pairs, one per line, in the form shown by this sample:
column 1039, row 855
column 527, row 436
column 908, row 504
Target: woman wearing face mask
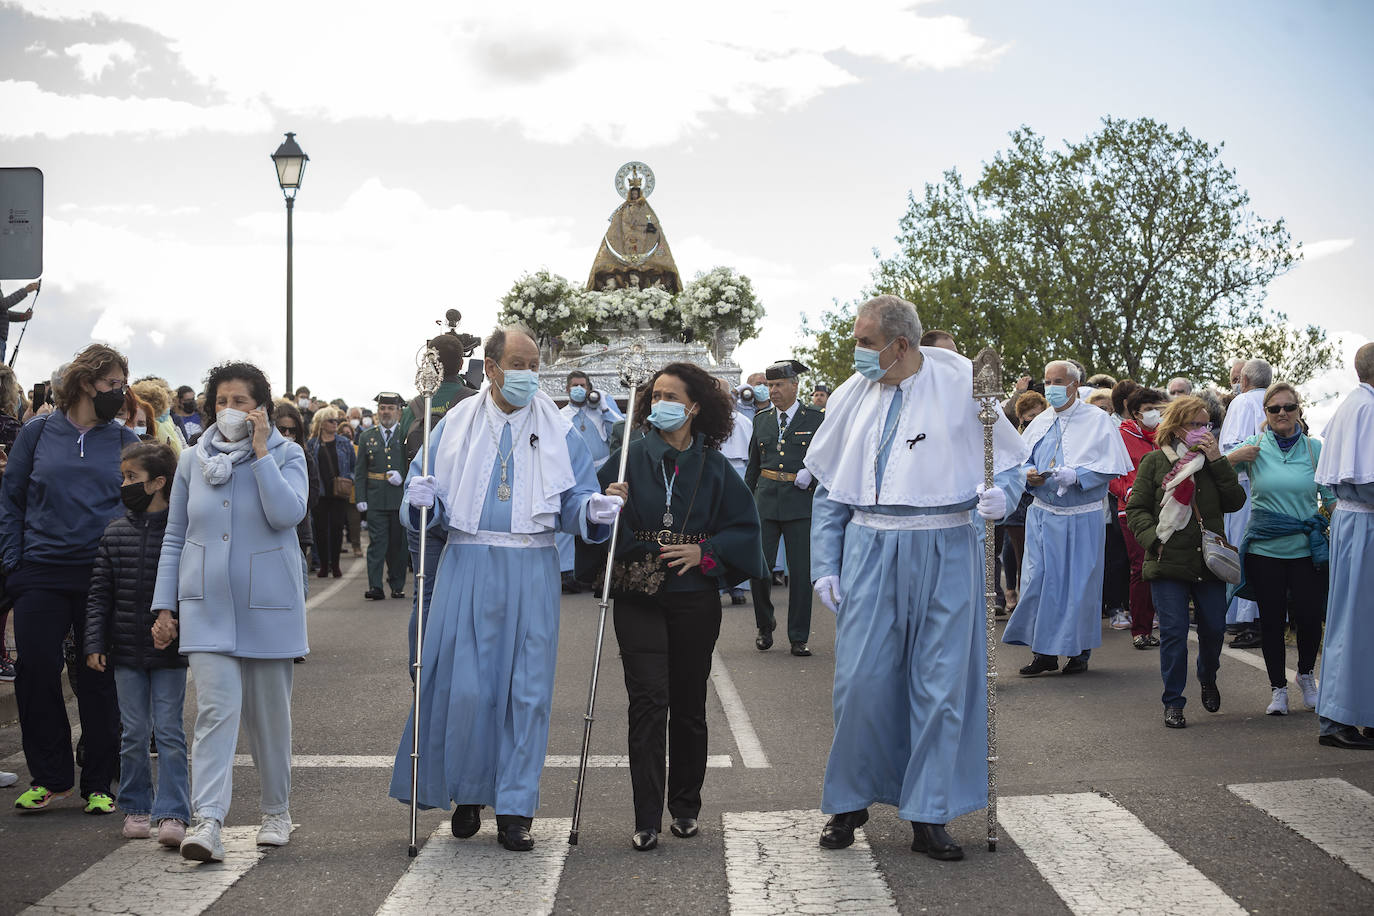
column 1180, row 488
column 1285, row 548
column 134, row 415
column 157, row 397
column 229, row 567
column 334, row 456
column 1144, row 410
column 61, row 488
column 688, row 529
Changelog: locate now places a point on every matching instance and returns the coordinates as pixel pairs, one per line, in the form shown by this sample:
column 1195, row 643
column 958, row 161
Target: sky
column 455, row 145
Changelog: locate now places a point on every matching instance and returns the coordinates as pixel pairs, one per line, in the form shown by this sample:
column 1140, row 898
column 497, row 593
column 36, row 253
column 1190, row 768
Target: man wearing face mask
column 377, row 480
column 782, row 491
column 1076, row 452
column 1145, row 409
column 1244, row 418
column 508, row 471
column 593, row 416
column 752, row 396
column 186, row 416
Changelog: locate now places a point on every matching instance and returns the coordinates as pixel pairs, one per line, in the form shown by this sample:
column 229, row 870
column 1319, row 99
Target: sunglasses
column 287, row 430
column 1286, row 408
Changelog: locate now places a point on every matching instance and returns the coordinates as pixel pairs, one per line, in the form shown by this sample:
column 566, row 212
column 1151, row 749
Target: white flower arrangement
column 720, row 298
column 545, row 303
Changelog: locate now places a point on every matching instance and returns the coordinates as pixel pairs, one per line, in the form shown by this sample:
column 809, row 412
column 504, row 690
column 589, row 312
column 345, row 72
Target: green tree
column 1134, row 251
column 1295, row 354
column 830, row 351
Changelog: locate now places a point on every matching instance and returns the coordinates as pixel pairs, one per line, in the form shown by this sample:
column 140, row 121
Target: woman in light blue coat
column 230, row 573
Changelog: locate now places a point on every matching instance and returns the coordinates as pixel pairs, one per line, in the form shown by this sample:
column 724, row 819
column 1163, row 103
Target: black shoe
column 800, row 651
column 467, row 820
column 1039, row 665
column 684, row 827
column 1076, row 665
column 738, row 599
column 1249, row 639
column 1369, row 732
column 1211, row 697
column 778, row 579
column 513, row 832
column 838, row 832
column 1173, row 717
column 299, row 659
column 932, row 840
column 644, row 840
column 376, row 594
column 397, row 594
column 764, row 641
column 1348, row 738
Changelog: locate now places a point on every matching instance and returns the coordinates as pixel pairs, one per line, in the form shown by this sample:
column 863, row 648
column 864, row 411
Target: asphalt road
column 1103, row 809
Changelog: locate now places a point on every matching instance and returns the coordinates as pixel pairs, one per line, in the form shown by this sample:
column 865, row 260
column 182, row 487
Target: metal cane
column 987, row 391
column 633, row 373
column 25, row 329
column 427, row 379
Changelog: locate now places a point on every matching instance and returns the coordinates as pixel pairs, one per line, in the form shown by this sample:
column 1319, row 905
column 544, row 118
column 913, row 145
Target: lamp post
column 290, row 161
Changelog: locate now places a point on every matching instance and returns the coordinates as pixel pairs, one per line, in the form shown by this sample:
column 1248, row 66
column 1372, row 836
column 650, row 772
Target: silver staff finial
column 635, row 371
column 429, row 372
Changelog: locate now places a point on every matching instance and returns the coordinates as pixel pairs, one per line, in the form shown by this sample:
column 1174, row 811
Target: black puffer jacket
column 119, row 617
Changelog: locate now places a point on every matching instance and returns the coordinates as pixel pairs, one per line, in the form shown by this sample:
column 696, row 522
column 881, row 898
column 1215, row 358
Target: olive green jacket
column 781, row 500
column 374, row 460
column 1218, row 492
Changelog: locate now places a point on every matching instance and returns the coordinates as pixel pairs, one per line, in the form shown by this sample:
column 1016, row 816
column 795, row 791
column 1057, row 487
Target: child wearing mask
column 122, row 632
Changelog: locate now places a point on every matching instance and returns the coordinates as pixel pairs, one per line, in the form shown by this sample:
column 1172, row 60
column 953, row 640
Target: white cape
column 1243, row 419
column 1092, row 441
column 1348, row 441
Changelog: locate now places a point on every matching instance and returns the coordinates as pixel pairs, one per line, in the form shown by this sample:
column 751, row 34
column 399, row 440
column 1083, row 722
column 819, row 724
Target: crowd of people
column 146, row 531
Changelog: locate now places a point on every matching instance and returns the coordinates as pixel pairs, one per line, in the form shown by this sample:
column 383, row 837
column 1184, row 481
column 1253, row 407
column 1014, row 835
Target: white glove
column 992, row 503
column 420, row 493
column 394, row 478
column 803, row 480
column 602, row 509
column 828, row 590
column 362, row 507
column 1064, row 476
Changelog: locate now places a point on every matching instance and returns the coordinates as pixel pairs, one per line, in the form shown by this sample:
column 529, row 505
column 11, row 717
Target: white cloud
column 649, row 74
column 1312, row 251
column 31, row 111
column 1324, row 393
column 92, row 60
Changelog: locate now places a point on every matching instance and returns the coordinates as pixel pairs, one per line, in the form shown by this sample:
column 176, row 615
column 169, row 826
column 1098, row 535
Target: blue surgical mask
column 578, row 394
column 668, row 415
column 519, row 386
column 866, row 363
column 760, row 393
column 1057, row 395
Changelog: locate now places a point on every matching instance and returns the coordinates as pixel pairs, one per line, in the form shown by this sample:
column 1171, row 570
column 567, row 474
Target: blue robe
column 1346, row 694
column 600, row 451
column 910, row 697
column 1060, row 608
column 490, row 646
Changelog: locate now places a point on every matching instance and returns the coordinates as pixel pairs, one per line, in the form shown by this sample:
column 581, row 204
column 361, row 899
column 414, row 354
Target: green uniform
column 784, row 511
column 378, row 454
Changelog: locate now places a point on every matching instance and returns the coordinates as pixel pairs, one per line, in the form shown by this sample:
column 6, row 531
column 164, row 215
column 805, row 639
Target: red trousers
column 1142, row 605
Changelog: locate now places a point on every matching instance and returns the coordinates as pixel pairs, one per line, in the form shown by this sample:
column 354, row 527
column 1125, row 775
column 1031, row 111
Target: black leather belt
column 668, row 538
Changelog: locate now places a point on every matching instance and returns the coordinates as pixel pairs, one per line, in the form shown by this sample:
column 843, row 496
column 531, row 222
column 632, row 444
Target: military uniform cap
column 822, row 386
column 784, row 368
column 390, row 397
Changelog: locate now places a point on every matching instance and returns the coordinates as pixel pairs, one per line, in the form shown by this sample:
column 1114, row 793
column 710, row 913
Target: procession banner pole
column 633, row 373
column 987, row 391
column 427, row 379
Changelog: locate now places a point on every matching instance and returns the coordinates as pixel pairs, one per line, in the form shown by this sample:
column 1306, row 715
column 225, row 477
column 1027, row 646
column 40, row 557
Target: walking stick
column 633, row 373
column 427, row 378
column 987, row 391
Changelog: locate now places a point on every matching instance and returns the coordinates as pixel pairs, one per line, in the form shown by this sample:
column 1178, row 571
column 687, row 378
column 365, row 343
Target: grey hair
column 1179, row 378
column 494, row 347
column 1258, row 373
column 896, row 318
column 1072, row 368
column 1364, row 363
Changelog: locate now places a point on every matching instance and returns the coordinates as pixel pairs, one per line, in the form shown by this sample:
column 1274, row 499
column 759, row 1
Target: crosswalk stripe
column 142, row 877
column 476, row 875
column 774, row 865
column 737, row 716
column 1100, row 859
column 1331, row 813
column 377, row 761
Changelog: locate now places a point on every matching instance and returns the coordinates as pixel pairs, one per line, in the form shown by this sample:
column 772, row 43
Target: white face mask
column 1150, row 418
column 141, row 431
column 367, row 421
column 121, row 421
column 303, row 403
column 354, row 422
column 233, row 424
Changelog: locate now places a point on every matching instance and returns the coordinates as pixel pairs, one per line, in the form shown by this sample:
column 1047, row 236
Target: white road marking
column 1100, row 859
column 1257, row 661
column 142, row 877
column 354, row 570
column 746, row 739
column 775, row 866
column 1331, row 813
column 477, row 876
column 378, row 761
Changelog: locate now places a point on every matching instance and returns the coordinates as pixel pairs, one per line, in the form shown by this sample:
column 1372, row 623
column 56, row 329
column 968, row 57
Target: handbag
column 1221, row 559
column 343, row 488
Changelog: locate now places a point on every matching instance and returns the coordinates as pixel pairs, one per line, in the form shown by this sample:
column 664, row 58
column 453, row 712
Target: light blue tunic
column 491, row 642
column 600, row 451
column 1060, row 608
column 1346, row 694
column 910, row 698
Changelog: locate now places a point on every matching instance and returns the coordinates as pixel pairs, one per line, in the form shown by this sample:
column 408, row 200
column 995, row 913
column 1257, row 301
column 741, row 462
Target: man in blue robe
column 898, row 556
column 508, row 472
column 1076, row 451
column 593, row 415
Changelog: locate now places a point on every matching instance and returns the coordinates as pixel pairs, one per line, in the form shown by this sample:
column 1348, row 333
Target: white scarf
column 602, row 416
column 937, row 450
column 1173, row 514
column 218, row 455
column 1348, row 441
column 467, row 452
column 1091, row 442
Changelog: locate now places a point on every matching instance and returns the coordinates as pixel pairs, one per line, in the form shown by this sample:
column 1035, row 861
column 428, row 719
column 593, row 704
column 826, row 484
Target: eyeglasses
column 1286, row 408
column 1203, row 425
column 287, row 430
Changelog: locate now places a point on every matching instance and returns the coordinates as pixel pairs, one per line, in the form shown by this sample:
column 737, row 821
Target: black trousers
column 796, row 537
column 49, row 600
column 1273, row 579
column 666, row 649
column 329, row 518
column 1116, row 576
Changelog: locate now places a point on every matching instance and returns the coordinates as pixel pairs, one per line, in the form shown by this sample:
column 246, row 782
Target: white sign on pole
column 21, row 223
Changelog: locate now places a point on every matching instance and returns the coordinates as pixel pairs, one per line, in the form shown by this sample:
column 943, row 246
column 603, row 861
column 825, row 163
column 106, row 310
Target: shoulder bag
column 1220, row 557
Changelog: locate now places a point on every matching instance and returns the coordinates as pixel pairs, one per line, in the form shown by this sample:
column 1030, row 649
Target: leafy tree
column 1133, row 251
column 830, row 351
column 1295, row 354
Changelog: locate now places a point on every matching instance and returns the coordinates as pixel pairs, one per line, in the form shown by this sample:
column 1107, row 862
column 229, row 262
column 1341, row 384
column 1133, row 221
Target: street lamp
column 290, row 161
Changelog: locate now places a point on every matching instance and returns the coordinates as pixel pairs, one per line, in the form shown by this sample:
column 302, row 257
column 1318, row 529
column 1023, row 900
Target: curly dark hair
column 156, row 460
column 1142, row 396
column 89, row 365
column 713, row 418
column 258, row 386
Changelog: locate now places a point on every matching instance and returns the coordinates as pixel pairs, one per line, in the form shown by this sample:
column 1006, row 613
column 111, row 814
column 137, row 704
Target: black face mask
column 188, row 406
column 135, row 496
column 107, row 404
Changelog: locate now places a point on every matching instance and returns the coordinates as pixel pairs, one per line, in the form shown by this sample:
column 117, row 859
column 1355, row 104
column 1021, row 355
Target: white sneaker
column 1308, row 684
column 275, row 829
column 1121, row 621
column 1278, row 703
column 202, row 843
column 8, row 779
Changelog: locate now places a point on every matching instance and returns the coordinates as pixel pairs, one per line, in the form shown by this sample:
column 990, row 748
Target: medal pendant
column 503, row 492
column 667, row 520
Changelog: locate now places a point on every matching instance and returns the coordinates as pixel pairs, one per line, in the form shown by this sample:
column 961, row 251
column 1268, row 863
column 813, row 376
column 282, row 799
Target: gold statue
column 634, row 252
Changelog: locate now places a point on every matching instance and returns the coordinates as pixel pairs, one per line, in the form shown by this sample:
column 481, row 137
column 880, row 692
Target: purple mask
column 1194, row 436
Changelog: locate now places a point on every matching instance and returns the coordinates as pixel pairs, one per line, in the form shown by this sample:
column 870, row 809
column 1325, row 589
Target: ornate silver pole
column 428, row 375
column 987, row 391
column 633, row 373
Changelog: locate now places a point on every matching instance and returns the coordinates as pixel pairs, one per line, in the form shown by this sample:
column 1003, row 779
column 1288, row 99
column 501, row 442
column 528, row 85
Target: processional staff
column 987, row 391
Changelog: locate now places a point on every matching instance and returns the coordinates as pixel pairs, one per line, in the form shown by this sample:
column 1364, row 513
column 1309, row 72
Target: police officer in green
column 377, row 478
column 783, row 490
